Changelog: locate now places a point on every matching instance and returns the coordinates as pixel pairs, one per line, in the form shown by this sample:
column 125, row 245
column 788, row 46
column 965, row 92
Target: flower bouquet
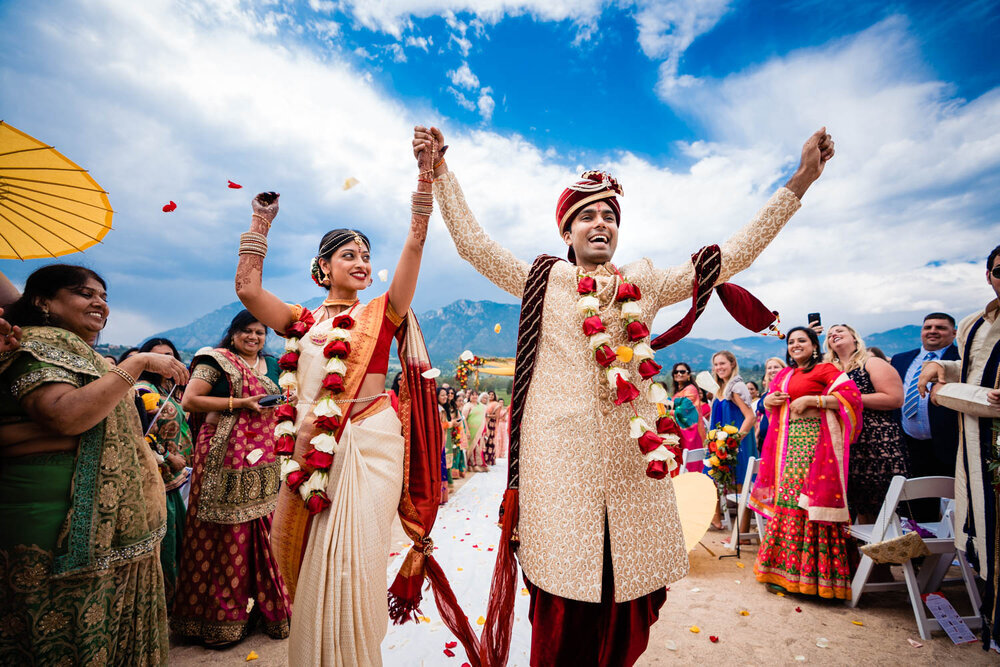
column 723, row 446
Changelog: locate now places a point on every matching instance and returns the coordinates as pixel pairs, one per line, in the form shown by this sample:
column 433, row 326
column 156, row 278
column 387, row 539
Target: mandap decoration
column 469, row 364
column 311, row 485
column 655, row 444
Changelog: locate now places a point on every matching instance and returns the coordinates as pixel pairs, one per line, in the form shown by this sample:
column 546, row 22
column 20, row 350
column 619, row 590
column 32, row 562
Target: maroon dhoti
column 605, row 633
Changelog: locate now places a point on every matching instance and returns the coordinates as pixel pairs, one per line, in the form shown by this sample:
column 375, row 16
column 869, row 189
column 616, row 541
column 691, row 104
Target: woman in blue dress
column 732, row 406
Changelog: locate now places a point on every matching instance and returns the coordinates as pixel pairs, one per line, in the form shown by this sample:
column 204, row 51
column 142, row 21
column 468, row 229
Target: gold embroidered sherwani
column 578, row 462
column 969, row 398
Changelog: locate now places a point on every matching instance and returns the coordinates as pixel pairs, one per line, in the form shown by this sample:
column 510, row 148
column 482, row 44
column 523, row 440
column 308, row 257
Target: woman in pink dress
column 692, row 437
column 503, row 430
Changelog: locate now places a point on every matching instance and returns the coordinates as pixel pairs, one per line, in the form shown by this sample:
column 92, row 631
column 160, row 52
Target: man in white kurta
column 970, row 386
column 599, row 539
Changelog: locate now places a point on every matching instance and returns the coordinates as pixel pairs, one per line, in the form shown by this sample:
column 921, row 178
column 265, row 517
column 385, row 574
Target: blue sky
column 700, row 108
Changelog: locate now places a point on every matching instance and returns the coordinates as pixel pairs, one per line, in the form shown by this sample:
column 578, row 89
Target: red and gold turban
column 593, row 186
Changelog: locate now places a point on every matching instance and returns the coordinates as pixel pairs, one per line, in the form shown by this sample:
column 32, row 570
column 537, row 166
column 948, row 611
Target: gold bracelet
column 230, row 403
column 123, row 374
column 262, row 219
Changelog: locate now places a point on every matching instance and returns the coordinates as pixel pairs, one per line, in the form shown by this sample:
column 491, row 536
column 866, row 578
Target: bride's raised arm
column 404, row 280
column 265, row 306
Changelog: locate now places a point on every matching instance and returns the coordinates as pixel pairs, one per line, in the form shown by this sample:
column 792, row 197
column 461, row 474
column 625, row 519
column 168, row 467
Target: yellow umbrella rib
column 19, row 228
column 17, row 189
column 12, row 196
column 70, row 227
column 9, row 244
column 61, row 185
column 26, row 150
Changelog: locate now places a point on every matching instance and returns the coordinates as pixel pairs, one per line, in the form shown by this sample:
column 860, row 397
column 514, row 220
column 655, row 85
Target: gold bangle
column 123, row 374
column 262, row 219
column 230, row 403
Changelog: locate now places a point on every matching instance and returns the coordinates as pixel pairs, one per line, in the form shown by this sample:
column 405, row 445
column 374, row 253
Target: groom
column 588, row 509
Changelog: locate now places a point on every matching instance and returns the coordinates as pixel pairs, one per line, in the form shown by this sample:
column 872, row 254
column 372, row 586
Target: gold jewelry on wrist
column 262, row 219
column 253, row 243
column 123, row 374
column 230, row 403
column 439, row 162
column 422, row 203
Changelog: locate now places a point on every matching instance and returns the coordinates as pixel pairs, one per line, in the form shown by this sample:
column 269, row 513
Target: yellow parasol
column 696, row 503
column 49, row 206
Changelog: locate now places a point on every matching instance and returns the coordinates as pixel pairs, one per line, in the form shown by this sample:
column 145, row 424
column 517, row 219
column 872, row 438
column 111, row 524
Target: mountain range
column 469, row 325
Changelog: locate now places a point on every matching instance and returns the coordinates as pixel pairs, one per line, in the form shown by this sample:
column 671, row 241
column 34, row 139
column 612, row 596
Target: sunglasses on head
column 995, row 272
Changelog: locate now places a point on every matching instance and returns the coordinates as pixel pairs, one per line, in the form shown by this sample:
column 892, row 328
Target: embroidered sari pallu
column 228, row 573
column 801, row 490
column 80, row 579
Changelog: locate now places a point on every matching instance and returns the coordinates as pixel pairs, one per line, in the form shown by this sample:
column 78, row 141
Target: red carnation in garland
column 586, row 285
column 285, row 446
column 592, row 325
column 649, row 441
column 628, row 292
column 337, row 348
column 343, row 321
column 636, row 330
column 656, row 469
column 626, row 391
column 327, row 423
column 289, row 361
column 285, row 411
column 334, row 383
column 317, row 502
column 299, row 328
column 649, row 368
column 605, row 355
column 665, row 425
column 295, row 479
column 318, row 459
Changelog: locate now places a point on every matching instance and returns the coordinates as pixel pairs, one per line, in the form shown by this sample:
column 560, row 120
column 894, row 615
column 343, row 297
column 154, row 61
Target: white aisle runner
column 466, row 534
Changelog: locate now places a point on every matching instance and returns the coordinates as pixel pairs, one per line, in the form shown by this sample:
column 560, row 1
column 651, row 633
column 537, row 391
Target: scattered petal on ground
column 670, row 644
column 252, row 656
column 695, row 629
column 448, row 652
column 914, row 643
column 524, row 591
column 695, row 590
column 740, row 565
column 800, row 658
column 780, row 594
column 823, row 642
column 798, row 609
column 744, row 612
column 857, row 622
column 713, row 639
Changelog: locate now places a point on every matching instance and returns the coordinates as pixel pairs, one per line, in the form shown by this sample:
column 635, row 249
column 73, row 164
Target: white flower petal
column 291, row 345
column 588, row 305
column 287, row 380
column 339, row 334
column 599, row 339
column 383, row 275
column 336, row 365
column 317, row 482
column 467, row 356
column 631, row 310
column 431, row 373
column 641, row 352
column 288, row 466
column 327, row 407
column 324, row 442
column 284, row 427
column 637, row 426
column 656, row 393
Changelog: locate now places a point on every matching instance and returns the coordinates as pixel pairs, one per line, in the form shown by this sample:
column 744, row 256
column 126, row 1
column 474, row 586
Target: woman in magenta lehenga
column 692, row 437
column 228, row 574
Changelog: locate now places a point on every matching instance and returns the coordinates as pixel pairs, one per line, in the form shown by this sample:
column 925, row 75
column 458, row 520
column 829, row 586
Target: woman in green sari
column 81, row 501
column 170, row 439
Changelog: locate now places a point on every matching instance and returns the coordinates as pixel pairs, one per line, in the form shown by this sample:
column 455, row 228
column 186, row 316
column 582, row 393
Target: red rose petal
column 451, row 645
column 448, row 652
column 798, row 609
column 169, row 207
column 714, row 639
column 234, row 186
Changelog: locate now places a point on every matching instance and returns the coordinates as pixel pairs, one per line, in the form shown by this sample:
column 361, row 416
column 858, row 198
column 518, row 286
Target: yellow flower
column 496, row 328
column 730, row 429
column 711, row 434
column 714, row 461
column 695, row 629
column 624, row 353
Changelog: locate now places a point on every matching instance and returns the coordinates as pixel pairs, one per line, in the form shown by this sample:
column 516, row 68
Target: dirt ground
column 712, row 598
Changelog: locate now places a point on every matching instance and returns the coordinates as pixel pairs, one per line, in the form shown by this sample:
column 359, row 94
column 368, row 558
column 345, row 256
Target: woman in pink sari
column 815, row 414
column 688, row 411
column 503, row 431
column 227, row 572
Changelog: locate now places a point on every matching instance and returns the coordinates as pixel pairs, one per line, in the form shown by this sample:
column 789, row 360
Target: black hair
column 395, row 382
column 673, row 383
column 44, row 283
column 331, row 241
column 993, row 255
column 125, row 355
column 447, row 406
column 751, row 382
column 940, row 316
column 813, row 338
column 877, row 352
column 153, row 378
column 242, row 320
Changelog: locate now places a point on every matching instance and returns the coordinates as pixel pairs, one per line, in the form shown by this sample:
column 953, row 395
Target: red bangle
column 424, row 180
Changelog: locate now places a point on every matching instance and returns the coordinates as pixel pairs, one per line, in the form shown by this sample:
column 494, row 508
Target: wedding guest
column 683, row 387
column 880, row 453
column 732, row 407
column 771, row 368
column 82, row 582
column 800, row 486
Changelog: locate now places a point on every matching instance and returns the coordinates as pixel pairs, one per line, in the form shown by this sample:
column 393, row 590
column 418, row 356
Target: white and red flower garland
column 311, row 485
column 654, row 444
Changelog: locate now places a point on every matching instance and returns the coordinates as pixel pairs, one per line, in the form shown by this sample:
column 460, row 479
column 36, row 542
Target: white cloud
column 462, row 100
column 464, row 78
column 485, row 103
column 325, row 29
column 398, row 55
column 423, row 43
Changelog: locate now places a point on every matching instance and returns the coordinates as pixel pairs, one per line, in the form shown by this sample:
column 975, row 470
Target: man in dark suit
column 931, row 431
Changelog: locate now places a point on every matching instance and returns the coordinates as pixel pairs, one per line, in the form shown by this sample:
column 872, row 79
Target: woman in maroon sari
column 228, row 574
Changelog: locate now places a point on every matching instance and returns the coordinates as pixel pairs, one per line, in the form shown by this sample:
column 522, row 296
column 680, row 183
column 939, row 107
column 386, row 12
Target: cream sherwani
column 969, row 398
column 578, row 463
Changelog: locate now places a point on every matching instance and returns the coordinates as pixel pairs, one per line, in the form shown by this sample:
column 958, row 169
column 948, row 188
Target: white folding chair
column 690, row 456
column 942, row 548
column 741, row 502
